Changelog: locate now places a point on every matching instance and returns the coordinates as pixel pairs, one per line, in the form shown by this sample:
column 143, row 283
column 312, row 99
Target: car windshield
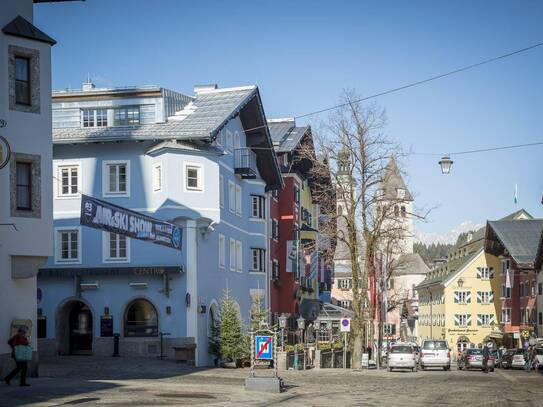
column 401, row 349
column 437, row 345
column 539, row 351
column 518, row 352
column 475, row 352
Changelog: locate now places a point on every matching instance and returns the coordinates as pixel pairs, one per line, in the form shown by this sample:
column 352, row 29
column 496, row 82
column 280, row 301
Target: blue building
column 204, row 162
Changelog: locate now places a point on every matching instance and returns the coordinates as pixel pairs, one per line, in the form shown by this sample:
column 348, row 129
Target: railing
column 245, row 162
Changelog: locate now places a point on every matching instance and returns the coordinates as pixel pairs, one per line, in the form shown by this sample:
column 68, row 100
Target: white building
column 26, row 214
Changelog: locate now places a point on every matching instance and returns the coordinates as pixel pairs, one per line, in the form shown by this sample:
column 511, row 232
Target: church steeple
column 393, row 184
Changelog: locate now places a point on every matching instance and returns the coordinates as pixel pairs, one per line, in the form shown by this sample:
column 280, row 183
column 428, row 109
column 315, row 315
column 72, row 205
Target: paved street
column 93, row 381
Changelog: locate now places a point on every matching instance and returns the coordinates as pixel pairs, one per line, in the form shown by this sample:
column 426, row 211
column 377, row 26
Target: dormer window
column 400, row 192
column 94, row 117
column 127, row 116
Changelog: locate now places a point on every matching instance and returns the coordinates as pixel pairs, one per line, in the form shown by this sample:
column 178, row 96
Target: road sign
column 345, row 325
column 264, row 347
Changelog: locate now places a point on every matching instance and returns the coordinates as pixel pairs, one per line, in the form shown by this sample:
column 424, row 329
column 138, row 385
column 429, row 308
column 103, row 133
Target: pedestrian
column 535, row 361
column 528, row 358
column 19, row 339
column 486, row 356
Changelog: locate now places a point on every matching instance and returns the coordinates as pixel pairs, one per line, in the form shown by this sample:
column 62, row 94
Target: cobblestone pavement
column 92, row 381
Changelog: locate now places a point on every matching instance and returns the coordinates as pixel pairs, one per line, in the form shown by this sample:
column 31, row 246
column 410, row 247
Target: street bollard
column 116, row 345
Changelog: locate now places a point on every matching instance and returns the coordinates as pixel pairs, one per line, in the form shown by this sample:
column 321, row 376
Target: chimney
column 199, row 89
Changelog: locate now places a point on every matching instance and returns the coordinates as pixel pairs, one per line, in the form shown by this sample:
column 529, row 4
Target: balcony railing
column 245, row 163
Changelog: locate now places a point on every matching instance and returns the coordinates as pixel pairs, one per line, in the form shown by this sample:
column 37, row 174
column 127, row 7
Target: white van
column 435, row 353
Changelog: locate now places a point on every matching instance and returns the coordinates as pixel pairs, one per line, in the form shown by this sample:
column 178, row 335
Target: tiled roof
column 410, row 263
column 19, row 27
column 285, row 134
column 519, row 237
column 209, row 113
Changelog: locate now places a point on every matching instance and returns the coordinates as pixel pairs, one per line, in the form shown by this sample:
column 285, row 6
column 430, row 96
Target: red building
column 515, row 242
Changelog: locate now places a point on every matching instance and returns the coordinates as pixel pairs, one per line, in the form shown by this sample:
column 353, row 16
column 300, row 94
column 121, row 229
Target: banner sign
column 102, row 215
column 293, row 257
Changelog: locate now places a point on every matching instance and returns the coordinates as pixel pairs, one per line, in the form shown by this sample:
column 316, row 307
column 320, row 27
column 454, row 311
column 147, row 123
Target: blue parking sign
column 264, row 347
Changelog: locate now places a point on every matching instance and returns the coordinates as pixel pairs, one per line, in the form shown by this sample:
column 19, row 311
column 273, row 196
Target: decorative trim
column 34, row 73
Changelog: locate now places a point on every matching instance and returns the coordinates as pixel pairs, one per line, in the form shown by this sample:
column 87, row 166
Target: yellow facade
column 460, row 309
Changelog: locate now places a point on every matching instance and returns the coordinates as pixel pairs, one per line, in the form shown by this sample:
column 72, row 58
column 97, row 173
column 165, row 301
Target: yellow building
column 456, row 299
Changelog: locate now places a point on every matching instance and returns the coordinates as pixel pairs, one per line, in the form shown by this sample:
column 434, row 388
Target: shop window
column 140, row 319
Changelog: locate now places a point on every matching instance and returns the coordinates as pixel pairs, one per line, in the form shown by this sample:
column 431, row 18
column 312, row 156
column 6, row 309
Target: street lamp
column 301, row 327
column 283, row 325
column 445, row 164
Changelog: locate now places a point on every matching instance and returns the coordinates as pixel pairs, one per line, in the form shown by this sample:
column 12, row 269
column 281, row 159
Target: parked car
column 402, row 357
column 513, row 359
column 435, row 353
column 473, row 359
column 539, row 357
column 496, row 356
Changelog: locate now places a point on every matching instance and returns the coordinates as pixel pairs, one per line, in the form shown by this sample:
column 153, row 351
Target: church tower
column 343, row 179
column 394, row 189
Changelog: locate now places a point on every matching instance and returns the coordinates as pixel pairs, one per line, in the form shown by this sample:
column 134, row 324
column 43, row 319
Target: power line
column 481, row 150
column 413, row 84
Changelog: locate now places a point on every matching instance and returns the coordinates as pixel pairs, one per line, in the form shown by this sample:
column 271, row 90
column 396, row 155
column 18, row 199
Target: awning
column 111, row 271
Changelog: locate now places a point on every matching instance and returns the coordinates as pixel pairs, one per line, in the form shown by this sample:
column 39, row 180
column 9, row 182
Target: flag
column 516, row 194
column 314, row 265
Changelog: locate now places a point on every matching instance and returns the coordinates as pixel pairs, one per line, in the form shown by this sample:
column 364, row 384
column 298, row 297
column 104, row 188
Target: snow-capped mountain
column 447, row 237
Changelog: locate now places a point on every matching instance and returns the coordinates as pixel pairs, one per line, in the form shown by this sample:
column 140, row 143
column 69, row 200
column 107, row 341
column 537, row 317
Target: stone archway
column 74, row 328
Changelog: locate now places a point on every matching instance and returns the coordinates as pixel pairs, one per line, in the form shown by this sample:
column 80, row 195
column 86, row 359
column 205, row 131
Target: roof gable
column 19, row 27
column 393, row 180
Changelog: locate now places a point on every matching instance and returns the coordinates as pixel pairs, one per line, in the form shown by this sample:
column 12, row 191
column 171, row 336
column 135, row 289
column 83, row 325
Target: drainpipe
column 191, row 275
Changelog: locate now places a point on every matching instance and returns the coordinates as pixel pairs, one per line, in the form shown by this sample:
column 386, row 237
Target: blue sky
column 303, row 54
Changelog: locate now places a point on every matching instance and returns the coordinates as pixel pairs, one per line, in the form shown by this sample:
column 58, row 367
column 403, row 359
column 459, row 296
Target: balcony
column 245, row 163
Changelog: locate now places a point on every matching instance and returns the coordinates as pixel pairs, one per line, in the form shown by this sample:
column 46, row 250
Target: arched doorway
column 74, row 328
column 140, row 319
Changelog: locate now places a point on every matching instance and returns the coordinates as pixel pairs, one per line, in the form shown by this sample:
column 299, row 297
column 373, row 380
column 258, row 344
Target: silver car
column 435, row 353
column 402, row 357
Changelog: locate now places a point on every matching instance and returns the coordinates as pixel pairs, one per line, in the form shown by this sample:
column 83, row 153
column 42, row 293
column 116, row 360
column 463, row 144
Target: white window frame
column 157, row 188
column 106, row 258
column 201, row 185
column 258, row 260
column 239, row 200
column 105, row 178
column 59, row 167
column 231, row 197
column 221, row 191
column 222, row 251
column 260, row 207
column 232, row 254
column 507, row 315
column 239, row 256
column 94, row 111
column 58, row 231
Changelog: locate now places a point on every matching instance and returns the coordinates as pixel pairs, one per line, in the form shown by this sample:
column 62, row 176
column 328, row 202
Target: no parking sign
column 345, row 325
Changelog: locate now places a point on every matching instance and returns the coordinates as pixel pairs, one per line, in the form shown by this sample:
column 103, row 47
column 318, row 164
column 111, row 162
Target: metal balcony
column 245, row 163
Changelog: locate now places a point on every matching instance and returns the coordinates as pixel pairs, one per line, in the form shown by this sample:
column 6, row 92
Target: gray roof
column 393, row 180
column 519, row 237
column 19, row 27
column 212, row 110
column 410, row 263
column 286, row 135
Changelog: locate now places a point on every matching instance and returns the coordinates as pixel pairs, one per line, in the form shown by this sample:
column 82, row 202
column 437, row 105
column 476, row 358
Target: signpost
column 345, row 327
column 263, row 354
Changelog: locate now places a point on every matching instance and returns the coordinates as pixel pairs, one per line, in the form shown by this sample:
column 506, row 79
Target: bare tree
column 352, row 155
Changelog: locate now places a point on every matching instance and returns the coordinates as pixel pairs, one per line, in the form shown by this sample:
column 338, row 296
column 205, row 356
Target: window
column 401, row 193
column 231, row 196
column 506, row 291
column 275, row 229
column 238, row 200
column 258, row 260
column 157, row 177
column 22, row 80
column 229, row 141
column 506, row 315
column 239, row 256
column 116, row 247
column 540, row 288
column 24, row 186
column 296, row 195
column 345, row 283
column 258, row 206
column 521, row 289
column 116, row 178
column 68, row 245
column 540, row 318
column 485, row 297
column 232, row 254
column 403, row 211
column 506, row 265
column 222, row 251
column 275, row 194
column 275, row 270
column 485, row 273
column 485, row 319
column 532, row 293
column 221, row 191
column 396, row 211
column 344, row 304
column 462, row 319
column 193, row 178
column 94, row 117
column 462, row 297
column 68, row 177
column 141, row 319
column 127, row 116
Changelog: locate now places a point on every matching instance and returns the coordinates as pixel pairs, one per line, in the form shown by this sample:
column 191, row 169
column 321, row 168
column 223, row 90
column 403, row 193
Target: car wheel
column 459, row 367
column 492, row 369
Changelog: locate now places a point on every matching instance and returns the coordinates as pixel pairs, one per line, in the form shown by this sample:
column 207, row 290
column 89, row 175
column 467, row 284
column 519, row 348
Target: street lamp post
column 301, row 327
column 431, row 314
column 283, row 325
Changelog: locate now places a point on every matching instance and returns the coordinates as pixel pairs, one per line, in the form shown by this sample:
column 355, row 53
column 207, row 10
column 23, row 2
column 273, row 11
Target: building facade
column 25, row 180
column 183, row 159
